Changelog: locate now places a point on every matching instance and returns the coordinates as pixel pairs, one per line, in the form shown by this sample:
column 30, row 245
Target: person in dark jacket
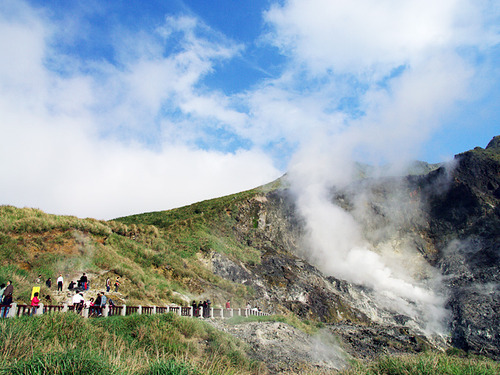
column 205, row 309
column 7, row 299
column 97, row 304
column 83, row 281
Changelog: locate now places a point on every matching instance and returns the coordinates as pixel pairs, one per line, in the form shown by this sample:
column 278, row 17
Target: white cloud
column 367, row 36
column 52, row 152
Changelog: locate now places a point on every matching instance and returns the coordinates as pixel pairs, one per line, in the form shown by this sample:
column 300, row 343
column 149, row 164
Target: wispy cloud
column 110, row 138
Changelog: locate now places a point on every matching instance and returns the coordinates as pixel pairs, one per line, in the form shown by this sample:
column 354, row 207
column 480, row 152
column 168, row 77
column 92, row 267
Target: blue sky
column 121, row 107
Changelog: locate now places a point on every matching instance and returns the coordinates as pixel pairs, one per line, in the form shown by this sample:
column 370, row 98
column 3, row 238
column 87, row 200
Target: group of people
column 197, row 308
column 78, row 300
column 6, row 291
column 81, row 284
column 95, row 306
column 205, row 307
column 108, row 284
column 249, row 307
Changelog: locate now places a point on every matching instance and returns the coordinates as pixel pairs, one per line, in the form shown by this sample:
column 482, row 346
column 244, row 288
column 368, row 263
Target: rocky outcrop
column 285, row 349
column 464, row 222
column 450, row 215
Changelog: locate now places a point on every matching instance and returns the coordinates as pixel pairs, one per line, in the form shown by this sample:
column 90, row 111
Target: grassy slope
column 156, row 254
column 137, row 344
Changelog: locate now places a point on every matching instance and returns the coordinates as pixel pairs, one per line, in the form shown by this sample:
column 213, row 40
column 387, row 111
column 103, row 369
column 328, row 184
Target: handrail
column 97, row 311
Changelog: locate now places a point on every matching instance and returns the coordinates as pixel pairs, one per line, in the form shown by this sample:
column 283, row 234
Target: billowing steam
column 360, row 238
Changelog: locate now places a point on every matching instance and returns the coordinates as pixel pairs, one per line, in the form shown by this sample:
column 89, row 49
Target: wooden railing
column 94, row 311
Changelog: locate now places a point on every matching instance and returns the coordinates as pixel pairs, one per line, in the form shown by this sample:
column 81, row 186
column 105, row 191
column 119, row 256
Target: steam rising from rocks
column 362, row 239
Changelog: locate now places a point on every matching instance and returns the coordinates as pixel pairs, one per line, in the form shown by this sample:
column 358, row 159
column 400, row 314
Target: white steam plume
column 337, row 244
column 411, row 79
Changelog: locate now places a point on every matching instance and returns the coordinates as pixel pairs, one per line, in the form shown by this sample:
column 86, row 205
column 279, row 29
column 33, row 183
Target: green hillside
column 156, row 255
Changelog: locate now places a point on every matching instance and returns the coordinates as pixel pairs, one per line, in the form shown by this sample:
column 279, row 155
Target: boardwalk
column 20, row 310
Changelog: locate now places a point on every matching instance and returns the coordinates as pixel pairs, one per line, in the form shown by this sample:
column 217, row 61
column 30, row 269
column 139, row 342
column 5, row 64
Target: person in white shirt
column 78, row 302
column 60, row 283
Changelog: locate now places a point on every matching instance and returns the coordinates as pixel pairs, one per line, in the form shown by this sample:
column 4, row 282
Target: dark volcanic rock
column 465, row 225
column 451, row 216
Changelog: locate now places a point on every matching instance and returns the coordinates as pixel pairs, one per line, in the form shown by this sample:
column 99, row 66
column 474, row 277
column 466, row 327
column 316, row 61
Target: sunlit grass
column 65, row 343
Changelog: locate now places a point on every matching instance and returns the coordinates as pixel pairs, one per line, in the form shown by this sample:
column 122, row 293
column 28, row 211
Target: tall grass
column 171, row 367
column 76, row 362
column 426, row 364
column 138, row 344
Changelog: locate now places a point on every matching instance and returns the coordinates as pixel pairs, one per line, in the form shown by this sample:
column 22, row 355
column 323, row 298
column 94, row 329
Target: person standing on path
column 48, row 283
column 60, row 283
column 117, row 284
column 108, row 285
column 9, row 289
column 84, row 280
column 34, row 304
column 103, row 301
column 7, row 299
column 97, row 305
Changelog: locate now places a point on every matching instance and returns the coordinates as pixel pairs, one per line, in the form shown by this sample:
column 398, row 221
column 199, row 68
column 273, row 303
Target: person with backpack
column 35, row 303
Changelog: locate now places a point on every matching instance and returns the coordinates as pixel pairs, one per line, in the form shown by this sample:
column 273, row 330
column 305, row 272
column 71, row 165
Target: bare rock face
column 450, row 215
column 465, row 223
column 286, row 349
